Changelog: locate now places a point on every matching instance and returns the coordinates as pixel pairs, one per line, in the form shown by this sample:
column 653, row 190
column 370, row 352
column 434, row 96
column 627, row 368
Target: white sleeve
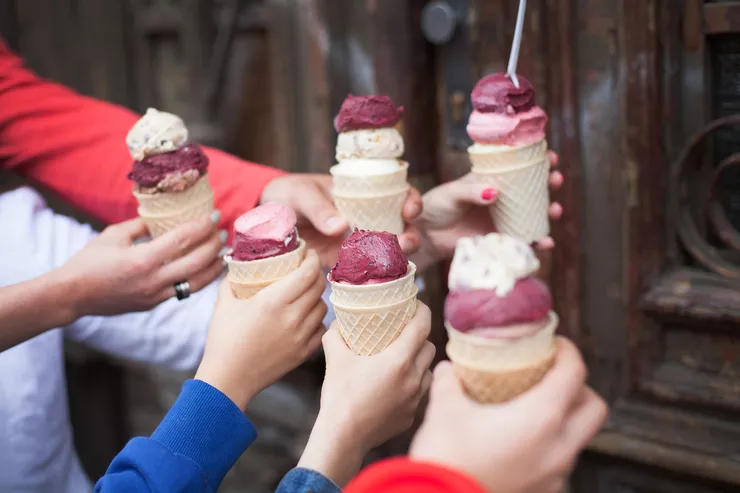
column 35, row 240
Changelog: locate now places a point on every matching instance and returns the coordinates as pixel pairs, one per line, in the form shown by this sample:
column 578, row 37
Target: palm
column 443, row 228
column 326, row 246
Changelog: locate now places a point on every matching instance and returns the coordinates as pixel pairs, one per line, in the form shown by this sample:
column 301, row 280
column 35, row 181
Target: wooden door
column 646, row 272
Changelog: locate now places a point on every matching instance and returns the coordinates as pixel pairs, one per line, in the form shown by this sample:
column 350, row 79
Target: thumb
column 127, row 231
column 316, row 206
column 445, row 384
column 334, row 345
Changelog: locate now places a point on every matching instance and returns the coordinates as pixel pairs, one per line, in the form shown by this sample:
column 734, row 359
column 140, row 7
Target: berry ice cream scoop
column 265, row 231
column 369, row 257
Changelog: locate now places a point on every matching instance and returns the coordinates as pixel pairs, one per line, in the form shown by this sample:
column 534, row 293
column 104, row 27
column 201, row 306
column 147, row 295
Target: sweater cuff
column 207, row 427
column 402, row 475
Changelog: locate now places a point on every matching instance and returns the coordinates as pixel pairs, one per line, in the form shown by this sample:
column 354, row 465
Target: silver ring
column 182, row 290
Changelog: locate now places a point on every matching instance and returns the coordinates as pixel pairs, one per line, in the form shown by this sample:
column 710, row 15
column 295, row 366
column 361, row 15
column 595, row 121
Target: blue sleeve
column 192, row 449
column 301, row 480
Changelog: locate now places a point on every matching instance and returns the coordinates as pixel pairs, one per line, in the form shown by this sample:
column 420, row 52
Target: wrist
column 68, row 295
column 333, row 453
column 240, row 391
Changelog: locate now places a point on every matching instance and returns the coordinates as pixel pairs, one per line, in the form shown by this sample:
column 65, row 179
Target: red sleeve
column 405, row 476
column 75, row 146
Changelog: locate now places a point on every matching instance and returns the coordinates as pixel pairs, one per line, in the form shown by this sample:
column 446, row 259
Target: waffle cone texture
column 248, row 278
column 521, row 176
column 371, row 202
column 497, row 370
column 163, row 212
column 371, row 316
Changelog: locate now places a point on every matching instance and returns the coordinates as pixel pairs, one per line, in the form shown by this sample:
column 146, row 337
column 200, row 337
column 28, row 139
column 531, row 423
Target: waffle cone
column 367, row 295
column 508, row 156
column 371, row 329
column 373, row 213
column 247, row 278
column 364, row 186
column 162, row 223
column 497, row 370
column 523, row 201
column 160, row 204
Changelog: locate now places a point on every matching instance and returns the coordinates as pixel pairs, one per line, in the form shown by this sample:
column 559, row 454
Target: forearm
column 32, row 307
column 336, row 457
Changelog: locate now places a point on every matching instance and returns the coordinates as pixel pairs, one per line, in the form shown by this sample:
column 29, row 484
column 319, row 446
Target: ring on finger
column 182, row 290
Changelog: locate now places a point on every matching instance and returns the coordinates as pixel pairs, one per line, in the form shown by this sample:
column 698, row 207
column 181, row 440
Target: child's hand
column 367, row 400
column 526, row 445
column 253, row 343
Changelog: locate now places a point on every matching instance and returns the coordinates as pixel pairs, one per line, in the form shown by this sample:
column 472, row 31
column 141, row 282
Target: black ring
column 182, row 290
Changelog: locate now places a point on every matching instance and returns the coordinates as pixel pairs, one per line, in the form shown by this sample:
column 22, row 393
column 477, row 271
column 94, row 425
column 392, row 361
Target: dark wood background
column 643, row 277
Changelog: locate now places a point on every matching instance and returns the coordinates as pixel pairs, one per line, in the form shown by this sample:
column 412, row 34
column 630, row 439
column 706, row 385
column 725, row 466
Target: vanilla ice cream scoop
column 157, row 132
column 494, row 261
column 374, row 143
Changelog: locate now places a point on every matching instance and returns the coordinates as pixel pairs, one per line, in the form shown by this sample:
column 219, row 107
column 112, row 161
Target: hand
column 252, row 343
column 366, row 400
column 319, row 222
column 114, row 275
column 527, row 445
column 460, row 208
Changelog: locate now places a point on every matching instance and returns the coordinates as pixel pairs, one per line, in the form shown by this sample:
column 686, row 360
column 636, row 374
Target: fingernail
column 215, row 216
column 334, row 222
column 222, row 235
column 488, row 194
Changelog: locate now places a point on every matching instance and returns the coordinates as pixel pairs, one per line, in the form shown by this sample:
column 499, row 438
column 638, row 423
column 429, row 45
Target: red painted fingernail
column 488, row 194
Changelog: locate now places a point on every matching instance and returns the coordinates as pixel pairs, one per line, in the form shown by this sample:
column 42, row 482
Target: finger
column 546, row 243
column 188, row 266
column 584, row 422
column 555, row 211
column 314, row 343
column 424, row 358
column 201, row 280
column 294, row 285
column 556, row 180
column 413, row 205
column 410, row 239
column 553, row 158
column 412, row 338
column 426, row 382
column 465, row 192
column 312, row 295
column 315, row 204
column 445, row 384
column 312, row 322
column 127, row 231
column 172, row 244
column 563, row 384
column 334, row 345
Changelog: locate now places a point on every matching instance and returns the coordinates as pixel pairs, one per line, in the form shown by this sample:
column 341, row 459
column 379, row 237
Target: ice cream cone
column 381, row 294
column 497, row 370
column 369, row 330
column 248, row 278
column 369, row 185
column 164, row 211
column 373, row 213
column 521, row 210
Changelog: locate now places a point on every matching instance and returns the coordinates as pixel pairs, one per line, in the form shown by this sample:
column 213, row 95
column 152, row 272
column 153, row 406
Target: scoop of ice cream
column 377, row 143
column 492, row 262
column 170, row 172
column 529, row 301
column 496, row 93
column 368, row 257
column 363, row 112
column 504, row 114
column 265, row 231
column 366, row 167
column 156, row 132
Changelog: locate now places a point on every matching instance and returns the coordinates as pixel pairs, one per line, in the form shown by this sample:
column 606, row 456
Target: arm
column 403, row 475
column 74, row 146
column 192, row 449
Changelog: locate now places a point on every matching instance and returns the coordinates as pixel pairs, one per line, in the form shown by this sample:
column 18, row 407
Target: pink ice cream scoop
column 469, row 310
column 369, row 257
column 266, row 231
column 504, row 114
